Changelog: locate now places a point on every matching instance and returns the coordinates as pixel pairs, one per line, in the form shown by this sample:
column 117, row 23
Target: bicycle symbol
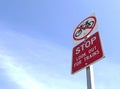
column 84, row 28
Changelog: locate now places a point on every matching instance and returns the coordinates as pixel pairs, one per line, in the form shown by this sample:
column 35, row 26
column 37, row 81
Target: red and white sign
column 86, row 53
column 84, row 28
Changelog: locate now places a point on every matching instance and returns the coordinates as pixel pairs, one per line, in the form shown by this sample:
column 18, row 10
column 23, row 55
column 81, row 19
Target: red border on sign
column 89, row 28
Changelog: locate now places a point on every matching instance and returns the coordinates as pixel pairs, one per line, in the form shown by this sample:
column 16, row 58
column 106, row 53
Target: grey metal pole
column 90, row 77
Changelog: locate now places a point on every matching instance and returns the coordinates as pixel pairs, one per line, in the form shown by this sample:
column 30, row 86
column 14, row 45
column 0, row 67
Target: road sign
column 87, row 52
column 84, row 28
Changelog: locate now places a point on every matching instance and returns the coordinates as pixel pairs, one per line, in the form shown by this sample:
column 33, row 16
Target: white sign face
column 84, row 28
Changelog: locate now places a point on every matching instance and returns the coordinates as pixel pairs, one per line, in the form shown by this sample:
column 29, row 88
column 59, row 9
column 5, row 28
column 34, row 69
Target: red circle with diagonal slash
column 85, row 28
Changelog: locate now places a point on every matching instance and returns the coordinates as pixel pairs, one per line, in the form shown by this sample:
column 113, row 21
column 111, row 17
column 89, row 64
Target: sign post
column 90, row 77
column 88, row 51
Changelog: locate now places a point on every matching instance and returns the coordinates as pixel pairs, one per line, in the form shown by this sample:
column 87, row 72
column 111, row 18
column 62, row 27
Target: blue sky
column 36, row 43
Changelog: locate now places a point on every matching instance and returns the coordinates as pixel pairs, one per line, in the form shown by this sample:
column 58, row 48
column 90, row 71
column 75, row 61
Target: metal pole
column 90, row 77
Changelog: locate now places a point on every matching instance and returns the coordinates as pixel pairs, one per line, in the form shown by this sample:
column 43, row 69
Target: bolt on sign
column 87, row 52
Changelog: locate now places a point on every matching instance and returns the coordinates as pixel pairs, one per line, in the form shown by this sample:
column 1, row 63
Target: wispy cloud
column 33, row 63
column 18, row 74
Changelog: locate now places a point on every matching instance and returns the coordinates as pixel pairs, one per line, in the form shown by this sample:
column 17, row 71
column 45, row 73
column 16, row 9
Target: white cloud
column 36, row 63
column 18, row 74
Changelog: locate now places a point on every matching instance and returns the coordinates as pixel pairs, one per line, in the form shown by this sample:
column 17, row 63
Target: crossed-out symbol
column 84, row 28
column 87, row 25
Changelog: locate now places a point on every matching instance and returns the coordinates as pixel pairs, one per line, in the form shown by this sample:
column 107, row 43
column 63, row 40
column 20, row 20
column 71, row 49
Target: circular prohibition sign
column 84, row 28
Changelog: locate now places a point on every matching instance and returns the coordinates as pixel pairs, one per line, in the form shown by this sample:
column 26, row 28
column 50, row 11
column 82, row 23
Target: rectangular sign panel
column 86, row 53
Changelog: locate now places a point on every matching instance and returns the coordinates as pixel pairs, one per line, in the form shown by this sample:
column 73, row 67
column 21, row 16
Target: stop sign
column 86, row 53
